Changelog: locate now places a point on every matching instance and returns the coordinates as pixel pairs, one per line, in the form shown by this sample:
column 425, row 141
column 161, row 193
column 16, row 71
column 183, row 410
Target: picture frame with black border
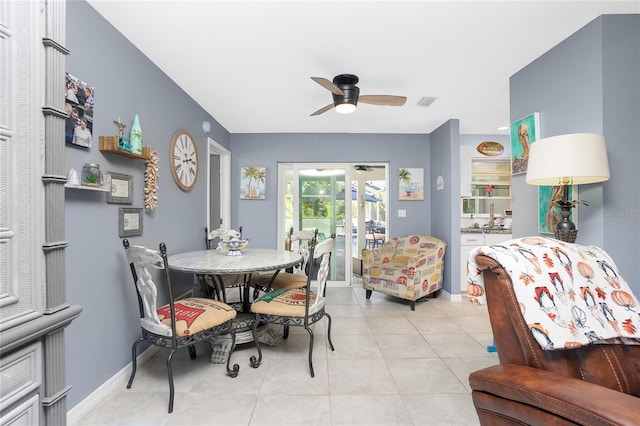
column 120, row 188
column 129, row 222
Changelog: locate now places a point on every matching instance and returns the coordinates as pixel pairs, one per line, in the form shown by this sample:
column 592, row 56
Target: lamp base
column 566, row 235
column 565, row 229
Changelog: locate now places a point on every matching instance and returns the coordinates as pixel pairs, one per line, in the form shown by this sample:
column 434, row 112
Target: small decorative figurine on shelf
column 121, row 126
column 489, row 190
column 123, row 141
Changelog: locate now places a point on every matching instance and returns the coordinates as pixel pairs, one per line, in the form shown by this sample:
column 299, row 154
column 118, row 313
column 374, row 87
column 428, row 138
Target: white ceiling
column 248, row 63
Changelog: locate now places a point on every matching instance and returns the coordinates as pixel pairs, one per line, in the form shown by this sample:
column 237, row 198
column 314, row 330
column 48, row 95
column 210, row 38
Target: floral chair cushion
column 570, row 295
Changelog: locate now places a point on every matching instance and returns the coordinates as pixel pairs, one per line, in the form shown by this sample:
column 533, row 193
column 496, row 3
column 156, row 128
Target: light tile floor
column 391, row 366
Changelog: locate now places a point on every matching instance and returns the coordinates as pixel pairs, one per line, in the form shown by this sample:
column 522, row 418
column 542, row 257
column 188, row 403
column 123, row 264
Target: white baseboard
column 451, row 297
column 119, row 380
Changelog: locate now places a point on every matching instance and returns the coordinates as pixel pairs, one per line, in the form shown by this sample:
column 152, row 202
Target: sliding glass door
column 340, row 199
column 311, row 196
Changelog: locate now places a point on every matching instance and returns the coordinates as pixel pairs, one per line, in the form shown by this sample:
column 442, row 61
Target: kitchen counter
column 485, row 231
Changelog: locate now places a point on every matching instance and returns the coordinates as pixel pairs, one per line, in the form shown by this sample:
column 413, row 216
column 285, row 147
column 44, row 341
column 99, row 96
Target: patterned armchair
column 408, row 267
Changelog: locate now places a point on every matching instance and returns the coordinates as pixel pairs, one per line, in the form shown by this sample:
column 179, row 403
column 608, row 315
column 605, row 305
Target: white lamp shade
column 572, row 159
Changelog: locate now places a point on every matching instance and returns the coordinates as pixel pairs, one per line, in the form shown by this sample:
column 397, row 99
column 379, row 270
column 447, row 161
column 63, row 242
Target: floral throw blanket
column 569, row 295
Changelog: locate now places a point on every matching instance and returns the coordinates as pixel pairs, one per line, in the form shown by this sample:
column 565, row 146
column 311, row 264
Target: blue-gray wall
column 266, row 150
column 591, row 83
column 621, row 118
column 127, row 83
column 445, row 204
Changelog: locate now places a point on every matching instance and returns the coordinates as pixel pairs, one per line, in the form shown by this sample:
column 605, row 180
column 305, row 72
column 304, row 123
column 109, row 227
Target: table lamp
column 572, row 159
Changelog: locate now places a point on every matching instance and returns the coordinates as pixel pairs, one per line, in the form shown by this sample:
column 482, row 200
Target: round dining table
column 219, row 263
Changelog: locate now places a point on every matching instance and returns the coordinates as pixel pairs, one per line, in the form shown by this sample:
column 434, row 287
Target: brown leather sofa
column 589, row 385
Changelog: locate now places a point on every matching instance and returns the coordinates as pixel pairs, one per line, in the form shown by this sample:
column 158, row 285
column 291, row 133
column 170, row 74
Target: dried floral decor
column 151, row 182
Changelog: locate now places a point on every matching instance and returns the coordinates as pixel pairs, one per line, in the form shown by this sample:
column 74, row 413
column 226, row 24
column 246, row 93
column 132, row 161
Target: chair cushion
column 284, row 280
column 196, row 314
column 287, row 280
column 283, row 302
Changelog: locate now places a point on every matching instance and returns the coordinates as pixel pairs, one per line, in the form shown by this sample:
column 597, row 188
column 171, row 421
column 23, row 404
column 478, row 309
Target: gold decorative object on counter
column 151, row 182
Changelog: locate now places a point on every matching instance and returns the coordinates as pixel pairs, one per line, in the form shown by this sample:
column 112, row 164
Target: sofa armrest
column 565, row 397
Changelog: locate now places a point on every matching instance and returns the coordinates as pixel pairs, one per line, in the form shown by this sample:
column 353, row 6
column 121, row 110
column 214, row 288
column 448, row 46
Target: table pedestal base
column 221, row 345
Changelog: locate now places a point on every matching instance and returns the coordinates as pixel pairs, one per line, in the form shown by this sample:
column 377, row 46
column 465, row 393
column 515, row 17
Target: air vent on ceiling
column 426, row 101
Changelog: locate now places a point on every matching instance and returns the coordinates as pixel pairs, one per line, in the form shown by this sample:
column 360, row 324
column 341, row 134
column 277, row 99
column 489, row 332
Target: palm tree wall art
column 411, row 183
column 252, row 183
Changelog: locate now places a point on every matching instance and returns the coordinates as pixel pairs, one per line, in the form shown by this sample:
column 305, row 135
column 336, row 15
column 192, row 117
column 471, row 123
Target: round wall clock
column 184, row 160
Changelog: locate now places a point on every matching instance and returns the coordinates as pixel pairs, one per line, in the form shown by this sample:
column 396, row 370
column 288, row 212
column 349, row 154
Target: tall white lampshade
column 573, row 159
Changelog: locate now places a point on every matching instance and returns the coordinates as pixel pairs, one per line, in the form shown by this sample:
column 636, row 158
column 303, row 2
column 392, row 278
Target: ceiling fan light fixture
column 347, row 103
column 346, row 107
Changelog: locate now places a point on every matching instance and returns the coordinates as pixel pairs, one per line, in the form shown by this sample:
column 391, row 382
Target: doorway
column 337, row 199
column 218, row 186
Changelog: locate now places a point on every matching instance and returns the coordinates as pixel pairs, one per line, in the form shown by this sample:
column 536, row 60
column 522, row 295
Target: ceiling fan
column 346, row 95
column 362, row 168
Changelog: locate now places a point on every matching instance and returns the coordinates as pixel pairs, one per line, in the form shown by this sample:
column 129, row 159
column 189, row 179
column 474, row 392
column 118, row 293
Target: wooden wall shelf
column 110, row 144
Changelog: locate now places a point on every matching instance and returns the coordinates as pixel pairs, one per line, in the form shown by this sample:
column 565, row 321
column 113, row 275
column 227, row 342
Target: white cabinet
column 491, row 239
column 469, row 241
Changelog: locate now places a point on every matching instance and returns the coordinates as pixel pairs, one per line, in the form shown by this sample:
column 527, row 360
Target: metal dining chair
column 179, row 323
column 301, row 307
column 295, row 277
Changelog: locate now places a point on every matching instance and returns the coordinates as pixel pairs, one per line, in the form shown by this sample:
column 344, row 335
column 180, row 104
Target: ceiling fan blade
column 389, row 100
column 323, row 110
column 328, row 85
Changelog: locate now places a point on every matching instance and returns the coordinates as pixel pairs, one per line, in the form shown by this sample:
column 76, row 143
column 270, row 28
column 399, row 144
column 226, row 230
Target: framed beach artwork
column 524, row 132
column 79, row 100
column 411, row 183
column 253, row 182
column 548, row 210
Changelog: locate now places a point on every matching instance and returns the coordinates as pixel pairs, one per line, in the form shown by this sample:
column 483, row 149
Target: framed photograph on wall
column 548, row 210
column 130, row 222
column 524, row 132
column 79, row 101
column 253, row 181
column 120, row 188
column 411, row 183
